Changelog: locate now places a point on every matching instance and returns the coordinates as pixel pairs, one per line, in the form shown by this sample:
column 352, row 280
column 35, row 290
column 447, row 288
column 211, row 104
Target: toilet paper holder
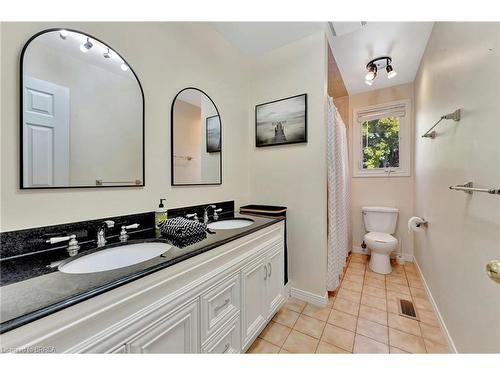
column 422, row 223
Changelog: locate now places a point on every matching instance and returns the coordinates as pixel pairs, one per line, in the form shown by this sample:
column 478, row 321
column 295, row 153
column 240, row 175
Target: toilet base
column 380, row 263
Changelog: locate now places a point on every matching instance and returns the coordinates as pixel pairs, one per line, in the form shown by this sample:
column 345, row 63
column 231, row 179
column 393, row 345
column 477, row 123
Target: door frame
column 21, row 117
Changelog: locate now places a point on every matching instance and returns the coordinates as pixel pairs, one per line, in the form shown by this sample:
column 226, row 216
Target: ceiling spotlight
column 379, row 63
column 124, row 67
column 63, row 33
column 86, row 46
column 372, row 72
column 106, row 54
column 391, row 73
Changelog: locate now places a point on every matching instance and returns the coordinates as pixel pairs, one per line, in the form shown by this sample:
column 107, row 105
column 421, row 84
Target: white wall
column 166, row 57
column 460, row 69
column 295, row 175
column 187, row 142
column 382, row 191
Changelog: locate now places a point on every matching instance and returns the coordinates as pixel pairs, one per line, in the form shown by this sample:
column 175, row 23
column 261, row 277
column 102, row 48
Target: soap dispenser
column 160, row 215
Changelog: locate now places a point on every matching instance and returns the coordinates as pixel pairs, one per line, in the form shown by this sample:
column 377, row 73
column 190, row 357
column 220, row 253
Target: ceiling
column 261, row 37
column 405, row 42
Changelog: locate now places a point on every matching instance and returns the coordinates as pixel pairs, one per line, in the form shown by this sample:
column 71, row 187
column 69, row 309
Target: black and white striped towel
column 181, row 227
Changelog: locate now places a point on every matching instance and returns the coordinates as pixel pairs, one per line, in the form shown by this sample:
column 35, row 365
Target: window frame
column 405, row 151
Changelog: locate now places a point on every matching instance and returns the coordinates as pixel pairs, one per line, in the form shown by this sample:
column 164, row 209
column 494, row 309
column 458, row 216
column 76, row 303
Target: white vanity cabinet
column 215, row 302
column 177, row 333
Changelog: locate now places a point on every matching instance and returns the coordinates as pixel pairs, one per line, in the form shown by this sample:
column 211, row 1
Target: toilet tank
column 380, row 219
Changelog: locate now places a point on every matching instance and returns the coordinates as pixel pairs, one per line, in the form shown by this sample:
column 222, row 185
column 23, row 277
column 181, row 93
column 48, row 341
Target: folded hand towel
column 181, row 227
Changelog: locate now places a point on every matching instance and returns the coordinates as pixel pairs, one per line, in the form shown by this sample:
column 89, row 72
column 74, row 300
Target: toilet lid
column 380, row 237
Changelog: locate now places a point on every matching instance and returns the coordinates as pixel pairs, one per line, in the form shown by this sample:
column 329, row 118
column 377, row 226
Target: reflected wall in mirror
column 196, row 139
column 82, row 114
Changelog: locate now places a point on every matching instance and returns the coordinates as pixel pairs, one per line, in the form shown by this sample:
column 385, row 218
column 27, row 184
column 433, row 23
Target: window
column 381, row 144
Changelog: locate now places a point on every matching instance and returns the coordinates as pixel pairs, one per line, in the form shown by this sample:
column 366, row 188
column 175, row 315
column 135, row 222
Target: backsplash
column 28, row 241
column 227, row 210
column 19, row 243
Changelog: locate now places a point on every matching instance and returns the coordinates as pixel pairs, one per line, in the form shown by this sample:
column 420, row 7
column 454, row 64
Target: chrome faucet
column 101, row 232
column 216, row 211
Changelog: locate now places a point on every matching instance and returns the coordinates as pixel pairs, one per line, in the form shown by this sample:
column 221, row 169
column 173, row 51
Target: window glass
column 380, row 143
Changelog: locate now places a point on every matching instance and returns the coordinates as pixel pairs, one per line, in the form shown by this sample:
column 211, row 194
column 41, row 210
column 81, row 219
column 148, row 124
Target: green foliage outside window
column 380, row 143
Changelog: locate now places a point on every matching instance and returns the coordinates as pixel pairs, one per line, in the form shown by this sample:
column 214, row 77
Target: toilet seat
column 381, row 238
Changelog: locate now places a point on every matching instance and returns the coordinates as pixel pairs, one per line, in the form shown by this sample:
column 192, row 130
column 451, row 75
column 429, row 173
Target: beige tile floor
column 361, row 317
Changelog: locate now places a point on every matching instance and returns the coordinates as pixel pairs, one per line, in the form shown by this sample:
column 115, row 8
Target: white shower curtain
column 339, row 208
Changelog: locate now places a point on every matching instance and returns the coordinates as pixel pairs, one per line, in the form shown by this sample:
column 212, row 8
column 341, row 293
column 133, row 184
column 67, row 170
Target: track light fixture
column 384, row 62
column 107, row 54
column 86, row 46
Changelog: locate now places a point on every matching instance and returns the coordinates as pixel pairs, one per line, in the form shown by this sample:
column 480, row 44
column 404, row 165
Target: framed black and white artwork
column 281, row 122
column 213, row 134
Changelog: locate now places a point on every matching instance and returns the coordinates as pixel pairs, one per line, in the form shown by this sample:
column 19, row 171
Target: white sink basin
column 115, row 257
column 230, row 224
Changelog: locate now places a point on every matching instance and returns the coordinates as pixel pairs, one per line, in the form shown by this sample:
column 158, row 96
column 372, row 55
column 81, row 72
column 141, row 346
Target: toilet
column 380, row 223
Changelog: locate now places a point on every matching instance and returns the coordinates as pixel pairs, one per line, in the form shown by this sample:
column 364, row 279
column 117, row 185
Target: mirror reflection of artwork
column 281, row 121
column 196, row 139
column 213, row 134
column 82, row 114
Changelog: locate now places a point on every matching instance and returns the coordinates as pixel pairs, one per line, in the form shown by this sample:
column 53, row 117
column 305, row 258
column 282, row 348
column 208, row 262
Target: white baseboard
column 309, row 297
column 451, row 344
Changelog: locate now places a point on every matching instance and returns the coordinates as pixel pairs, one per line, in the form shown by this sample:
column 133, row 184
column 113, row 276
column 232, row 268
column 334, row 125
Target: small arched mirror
column 82, row 114
column 196, row 139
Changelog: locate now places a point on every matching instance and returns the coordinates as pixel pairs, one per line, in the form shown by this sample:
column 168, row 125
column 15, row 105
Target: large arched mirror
column 82, row 114
column 196, row 139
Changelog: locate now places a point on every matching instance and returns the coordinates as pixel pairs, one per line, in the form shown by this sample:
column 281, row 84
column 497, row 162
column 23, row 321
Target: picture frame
column 281, row 122
column 212, row 132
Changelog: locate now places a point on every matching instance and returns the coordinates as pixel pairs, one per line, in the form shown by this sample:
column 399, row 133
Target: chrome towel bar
column 455, row 116
column 469, row 189
column 102, row 182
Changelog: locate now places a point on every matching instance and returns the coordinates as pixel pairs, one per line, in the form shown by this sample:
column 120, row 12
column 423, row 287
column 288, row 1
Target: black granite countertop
column 32, row 290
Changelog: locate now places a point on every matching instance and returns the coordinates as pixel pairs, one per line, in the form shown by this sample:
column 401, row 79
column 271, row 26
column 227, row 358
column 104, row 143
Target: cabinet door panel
column 253, row 310
column 274, row 288
column 177, row 333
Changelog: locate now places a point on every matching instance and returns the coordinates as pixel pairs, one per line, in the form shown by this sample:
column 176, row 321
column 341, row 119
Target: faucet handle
column 73, row 246
column 123, row 234
column 216, row 213
column 192, row 216
column 131, row 226
column 53, row 240
column 109, row 223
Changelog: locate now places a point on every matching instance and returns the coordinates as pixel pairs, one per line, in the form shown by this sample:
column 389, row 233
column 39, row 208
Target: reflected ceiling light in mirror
column 85, row 47
column 63, row 33
column 369, row 83
column 124, row 67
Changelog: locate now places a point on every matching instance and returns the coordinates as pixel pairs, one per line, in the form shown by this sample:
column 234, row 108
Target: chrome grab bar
column 469, row 189
column 455, row 116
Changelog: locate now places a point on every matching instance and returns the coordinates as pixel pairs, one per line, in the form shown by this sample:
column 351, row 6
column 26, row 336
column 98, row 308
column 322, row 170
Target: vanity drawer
column 227, row 340
column 219, row 305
